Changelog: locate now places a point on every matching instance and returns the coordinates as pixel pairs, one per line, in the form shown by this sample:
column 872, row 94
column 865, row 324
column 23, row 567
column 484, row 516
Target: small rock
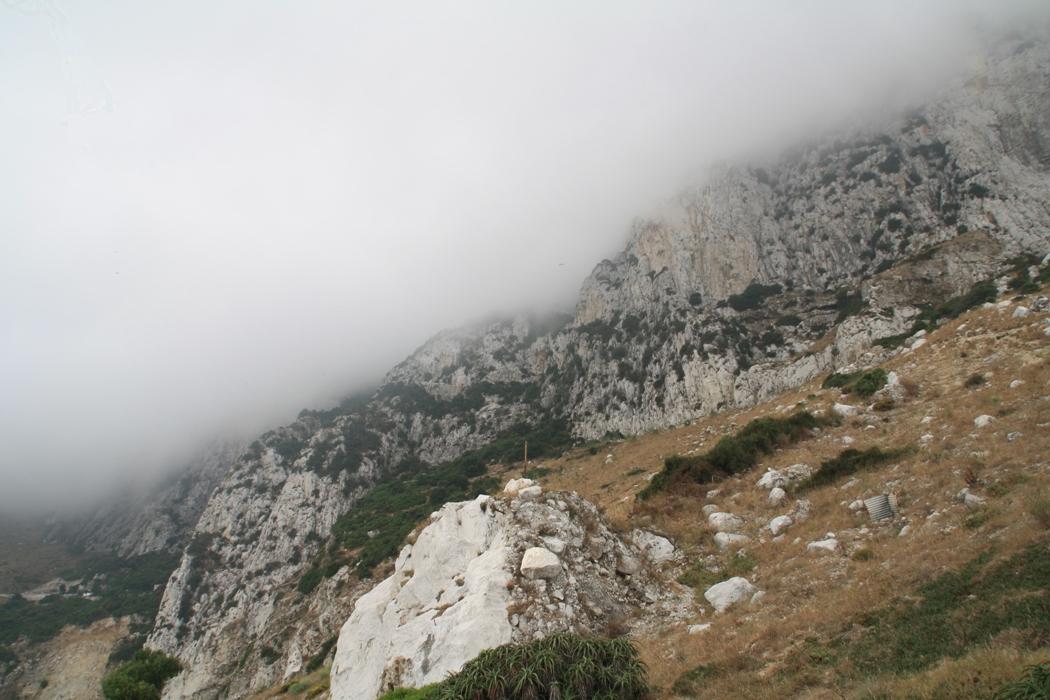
column 1016, row 383
column 969, row 499
column 823, row 546
column 926, row 437
column 926, row 420
column 777, row 496
column 799, row 472
column 918, row 344
column 657, row 549
column 698, row 629
column 530, row 493
column 904, row 531
column 757, row 597
column 726, row 594
column 844, row 410
column 847, row 440
column 725, row 522
column 540, row 563
column 514, row 486
column 555, row 544
column 982, row 420
column 1010, row 437
column 709, row 508
column 856, row 505
column 771, row 479
column 1020, row 312
column 780, row 523
column 724, row 540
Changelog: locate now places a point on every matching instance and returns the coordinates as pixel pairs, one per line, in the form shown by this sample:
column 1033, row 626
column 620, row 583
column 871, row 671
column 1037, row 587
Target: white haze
column 217, row 213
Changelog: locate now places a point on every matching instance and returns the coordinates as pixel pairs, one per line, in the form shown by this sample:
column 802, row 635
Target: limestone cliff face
column 756, row 281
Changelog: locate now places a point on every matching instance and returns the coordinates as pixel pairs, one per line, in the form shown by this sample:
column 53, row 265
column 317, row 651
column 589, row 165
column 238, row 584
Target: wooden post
column 525, row 462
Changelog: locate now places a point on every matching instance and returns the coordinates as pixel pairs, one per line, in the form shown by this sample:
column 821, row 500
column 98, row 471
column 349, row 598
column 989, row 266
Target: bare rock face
column 479, row 575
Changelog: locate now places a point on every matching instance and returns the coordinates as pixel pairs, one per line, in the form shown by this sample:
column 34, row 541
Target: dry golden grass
column 808, row 596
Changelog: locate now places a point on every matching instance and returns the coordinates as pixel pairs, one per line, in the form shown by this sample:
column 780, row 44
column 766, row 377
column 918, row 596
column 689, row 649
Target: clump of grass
column 974, row 380
column 1034, row 684
column 978, row 518
column 1038, row 506
column 862, row 554
column 699, row 577
column 561, row 665
column 863, row 383
column 734, row 453
column 849, row 462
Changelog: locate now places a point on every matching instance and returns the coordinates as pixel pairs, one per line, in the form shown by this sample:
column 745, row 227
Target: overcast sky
column 217, row 213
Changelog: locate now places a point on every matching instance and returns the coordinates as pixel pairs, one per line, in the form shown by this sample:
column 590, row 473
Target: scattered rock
column 514, row 486
column 726, row 594
column 969, row 499
column 725, row 522
column 847, row 440
column 699, row 629
column 844, row 410
column 539, row 562
column 918, row 344
column 780, row 523
column 709, row 508
column 1020, row 312
column 982, row 420
column 1016, row 383
column 1010, row 437
column 824, row 546
column 904, row 531
column 725, row 540
column 657, row 549
column 777, row 496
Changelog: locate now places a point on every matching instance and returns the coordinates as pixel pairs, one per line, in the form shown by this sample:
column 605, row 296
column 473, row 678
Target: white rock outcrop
column 445, row 604
column 493, row 571
column 780, row 523
column 725, row 522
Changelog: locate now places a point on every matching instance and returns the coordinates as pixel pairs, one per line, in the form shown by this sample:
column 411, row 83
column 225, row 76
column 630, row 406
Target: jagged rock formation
column 755, row 282
column 492, row 571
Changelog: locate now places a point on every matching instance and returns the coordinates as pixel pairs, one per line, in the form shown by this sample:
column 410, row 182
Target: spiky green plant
column 561, row 667
column 1034, row 684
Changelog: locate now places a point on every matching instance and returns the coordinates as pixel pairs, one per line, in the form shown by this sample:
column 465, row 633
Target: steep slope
column 753, row 284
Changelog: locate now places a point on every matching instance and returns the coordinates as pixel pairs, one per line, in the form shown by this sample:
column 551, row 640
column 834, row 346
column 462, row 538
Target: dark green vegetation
column 951, row 615
column 733, row 453
column 130, row 587
column 562, row 666
column 142, row 678
column 849, row 462
column 1034, row 684
column 414, row 490
column 864, row 383
column 753, row 296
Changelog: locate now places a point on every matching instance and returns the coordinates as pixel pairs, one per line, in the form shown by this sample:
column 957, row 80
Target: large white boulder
column 844, row 410
column 445, row 603
column 726, row 594
column 539, row 562
column 982, row 421
column 514, row 486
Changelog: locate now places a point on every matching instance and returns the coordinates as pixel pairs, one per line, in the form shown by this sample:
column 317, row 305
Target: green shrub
column 849, row 462
column 413, row 490
column 974, row 380
column 733, row 453
column 753, row 296
column 559, row 666
column 863, row 383
column 690, row 683
column 142, row 678
column 317, row 659
column 309, row 581
column 1034, row 684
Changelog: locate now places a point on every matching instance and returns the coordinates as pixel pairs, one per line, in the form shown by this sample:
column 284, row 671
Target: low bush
column 142, row 678
column 848, row 462
column 753, row 296
column 559, row 666
column 863, row 383
column 733, row 453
